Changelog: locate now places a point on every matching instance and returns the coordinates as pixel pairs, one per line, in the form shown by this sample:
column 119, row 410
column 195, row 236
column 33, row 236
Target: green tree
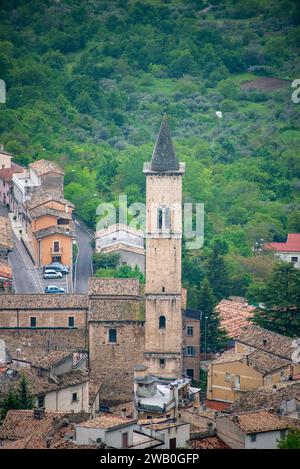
column 217, row 270
column 24, row 395
column 291, row 440
column 281, row 297
column 105, row 261
column 213, row 337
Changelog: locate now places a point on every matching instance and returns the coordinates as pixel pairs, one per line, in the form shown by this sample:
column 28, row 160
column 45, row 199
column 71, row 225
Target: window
column 32, row 322
column 62, row 221
column 227, row 377
column 237, row 381
column 71, row 321
column 162, row 362
column 159, row 218
column 253, row 437
column 112, row 336
column 190, row 330
column 190, row 351
column 74, row 397
column 190, row 373
column 162, row 322
column 294, row 259
column 41, row 401
column 56, row 246
column 167, row 218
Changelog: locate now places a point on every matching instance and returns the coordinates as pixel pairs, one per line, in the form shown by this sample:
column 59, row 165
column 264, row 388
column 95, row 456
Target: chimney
column 67, row 208
column 123, row 413
column 38, row 414
column 264, row 342
column 1, row 147
column 246, row 360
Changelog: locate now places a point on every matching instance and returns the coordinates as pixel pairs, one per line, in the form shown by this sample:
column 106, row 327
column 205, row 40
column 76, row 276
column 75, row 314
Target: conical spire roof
column 163, row 157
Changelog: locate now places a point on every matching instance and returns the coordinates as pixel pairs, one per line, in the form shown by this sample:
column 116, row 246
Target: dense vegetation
column 88, row 83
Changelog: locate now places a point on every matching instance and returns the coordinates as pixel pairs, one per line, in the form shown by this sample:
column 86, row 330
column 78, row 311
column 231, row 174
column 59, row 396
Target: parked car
column 57, row 267
column 51, row 273
column 54, row 289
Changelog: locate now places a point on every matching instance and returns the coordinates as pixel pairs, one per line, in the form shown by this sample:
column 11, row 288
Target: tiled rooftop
column 45, row 210
column 211, row 442
column 234, row 315
column 39, row 384
column 259, row 360
column 19, row 424
column 41, row 301
column 54, row 230
column 44, row 197
column 107, row 422
column 267, row 341
column 291, row 245
column 260, row 421
column 113, row 286
column 267, row 398
column 45, row 166
column 6, row 234
column 53, row 358
column 6, row 174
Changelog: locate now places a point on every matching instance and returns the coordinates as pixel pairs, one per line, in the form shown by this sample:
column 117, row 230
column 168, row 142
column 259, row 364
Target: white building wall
column 265, row 440
column 113, row 438
column 61, row 400
column 287, row 256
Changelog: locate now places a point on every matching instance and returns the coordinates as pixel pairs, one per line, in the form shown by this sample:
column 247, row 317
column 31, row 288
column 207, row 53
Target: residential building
column 191, row 344
column 170, row 433
column 127, row 242
column 288, row 251
column 251, row 430
column 7, row 169
column 256, row 338
column 50, row 229
column 163, row 326
column 6, row 246
column 111, row 430
column 234, row 374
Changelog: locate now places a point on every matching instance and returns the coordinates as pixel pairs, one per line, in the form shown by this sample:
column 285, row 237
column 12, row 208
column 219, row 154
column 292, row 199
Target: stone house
column 251, row 430
column 110, row 430
column 191, row 344
column 7, row 169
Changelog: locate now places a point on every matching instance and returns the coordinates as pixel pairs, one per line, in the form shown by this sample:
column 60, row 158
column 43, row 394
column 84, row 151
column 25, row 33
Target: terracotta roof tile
column 54, row 230
column 45, row 197
column 41, row 301
column 45, row 166
column 19, row 424
column 107, row 421
column 268, row 341
column 6, row 174
column 211, row 442
column 234, row 316
column 291, row 245
column 260, row 421
column 45, row 210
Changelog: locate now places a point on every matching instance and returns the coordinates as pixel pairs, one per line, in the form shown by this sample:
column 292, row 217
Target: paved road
column 83, row 265
column 25, row 275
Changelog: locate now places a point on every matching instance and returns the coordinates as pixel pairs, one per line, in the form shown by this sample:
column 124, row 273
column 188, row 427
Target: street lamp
column 18, row 351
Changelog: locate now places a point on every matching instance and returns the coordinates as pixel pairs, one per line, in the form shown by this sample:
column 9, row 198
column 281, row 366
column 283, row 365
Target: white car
column 52, row 274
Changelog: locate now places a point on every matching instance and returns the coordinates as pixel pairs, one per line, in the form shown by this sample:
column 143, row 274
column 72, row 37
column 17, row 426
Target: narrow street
column 25, row 275
column 83, row 265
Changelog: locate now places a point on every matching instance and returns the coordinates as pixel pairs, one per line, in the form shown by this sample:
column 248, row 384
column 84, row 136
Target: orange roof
column 291, row 245
column 234, row 316
column 218, row 406
column 5, row 270
column 6, row 174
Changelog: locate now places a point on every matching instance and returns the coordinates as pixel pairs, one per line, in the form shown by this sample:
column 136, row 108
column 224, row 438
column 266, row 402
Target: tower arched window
column 160, row 218
column 162, row 322
column 167, row 218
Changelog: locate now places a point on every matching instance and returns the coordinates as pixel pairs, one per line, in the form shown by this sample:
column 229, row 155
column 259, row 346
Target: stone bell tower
column 163, row 329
